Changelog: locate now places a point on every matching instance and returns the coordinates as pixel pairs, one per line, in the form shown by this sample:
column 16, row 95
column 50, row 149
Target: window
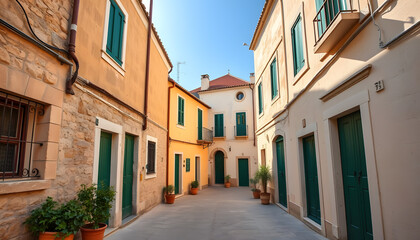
column 116, row 22
column 187, row 165
column 241, row 127
column 181, row 103
column 218, row 125
column 297, row 46
column 151, row 157
column 260, row 99
column 326, row 12
column 273, row 72
column 240, row 96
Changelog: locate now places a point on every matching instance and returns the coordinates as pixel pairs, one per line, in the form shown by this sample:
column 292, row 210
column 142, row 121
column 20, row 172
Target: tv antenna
column 177, row 70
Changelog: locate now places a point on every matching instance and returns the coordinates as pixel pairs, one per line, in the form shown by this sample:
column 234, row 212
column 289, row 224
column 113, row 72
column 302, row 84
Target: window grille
column 151, row 156
column 17, row 131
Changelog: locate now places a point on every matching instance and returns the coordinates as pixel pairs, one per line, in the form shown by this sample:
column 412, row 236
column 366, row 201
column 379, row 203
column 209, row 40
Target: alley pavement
column 216, row 213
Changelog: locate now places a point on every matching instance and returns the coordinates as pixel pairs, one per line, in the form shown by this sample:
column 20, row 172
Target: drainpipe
column 253, row 111
column 146, row 87
column 72, row 47
column 167, row 127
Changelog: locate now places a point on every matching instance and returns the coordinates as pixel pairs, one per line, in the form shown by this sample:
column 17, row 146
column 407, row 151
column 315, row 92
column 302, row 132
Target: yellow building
column 189, row 137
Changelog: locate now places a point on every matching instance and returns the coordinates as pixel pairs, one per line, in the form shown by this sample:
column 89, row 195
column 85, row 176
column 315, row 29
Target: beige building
column 337, row 92
column 112, row 129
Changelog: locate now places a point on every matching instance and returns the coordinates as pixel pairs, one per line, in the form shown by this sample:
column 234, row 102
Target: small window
column 187, row 165
column 151, row 157
column 114, row 43
column 260, row 99
column 273, row 73
column 240, row 96
column 219, row 126
column 297, row 46
column 181, row 103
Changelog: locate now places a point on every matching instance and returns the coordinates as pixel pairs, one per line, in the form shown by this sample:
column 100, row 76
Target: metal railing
column 220, row 133
column 240, row 131
column 326, row 15
column 205, row 135
column 17, row 129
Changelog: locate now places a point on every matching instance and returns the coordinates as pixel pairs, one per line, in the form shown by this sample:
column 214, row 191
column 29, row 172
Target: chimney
column 205, row 79
column 252, row 77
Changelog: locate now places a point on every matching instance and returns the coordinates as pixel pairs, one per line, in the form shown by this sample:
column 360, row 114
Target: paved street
column 216, row 213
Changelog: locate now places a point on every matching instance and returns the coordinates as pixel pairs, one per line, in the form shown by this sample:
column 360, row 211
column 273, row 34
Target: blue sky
column 207, row 35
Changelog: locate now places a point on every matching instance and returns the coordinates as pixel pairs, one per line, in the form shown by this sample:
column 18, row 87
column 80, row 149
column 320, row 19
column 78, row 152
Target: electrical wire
column 381, row 43
column 33, row 33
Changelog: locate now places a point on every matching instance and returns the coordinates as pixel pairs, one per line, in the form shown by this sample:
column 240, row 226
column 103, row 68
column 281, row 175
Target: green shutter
column 181, row 111
column 297, row 46
column 177, row 158
column 273, row 71
column 115, row 32
column 241, row 124
column 200, row 124
column 260, row 103
column 187, row 165
column 218, row 125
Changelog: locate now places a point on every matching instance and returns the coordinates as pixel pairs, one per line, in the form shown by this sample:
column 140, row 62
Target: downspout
column 253, row 111
column 72, row 47
column 146, row 87
column 168, row 126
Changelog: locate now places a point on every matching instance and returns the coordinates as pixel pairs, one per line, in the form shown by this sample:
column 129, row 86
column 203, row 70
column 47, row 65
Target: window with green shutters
column 297, row 46
column 260, row 99
column 114, row 44
column 273, row 72
column 187, row 165
column 181, row 105
column 218, row 125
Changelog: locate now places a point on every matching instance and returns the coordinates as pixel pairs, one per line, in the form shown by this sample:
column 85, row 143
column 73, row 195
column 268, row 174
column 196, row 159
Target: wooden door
column 177, row 160
column 104, row 169
column 219, row 167
column 311, row 179
column 355, row 181
column 243, row 171
column 281, row 171
column 127, row 197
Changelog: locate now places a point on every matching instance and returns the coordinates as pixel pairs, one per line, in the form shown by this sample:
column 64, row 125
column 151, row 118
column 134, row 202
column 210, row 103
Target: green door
column 281, row 171
column 311, row 179
column 177, row 158
column 240, row 124
column 243, row 172
column 355, row 182
column 200, row 124
column 218, row 125
column 197, row 169
column 127, row 197
column 104, row 169
column 219, row 167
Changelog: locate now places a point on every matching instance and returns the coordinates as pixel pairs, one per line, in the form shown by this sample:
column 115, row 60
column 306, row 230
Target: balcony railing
column 240, row 131
column 219, row 133
column 326, row 15
column 205, row 135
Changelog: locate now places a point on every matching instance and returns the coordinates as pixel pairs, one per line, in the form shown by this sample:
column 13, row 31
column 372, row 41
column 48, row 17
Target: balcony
column 241, row 131
column 204, row 136
column 219, row 133
column 332, row 22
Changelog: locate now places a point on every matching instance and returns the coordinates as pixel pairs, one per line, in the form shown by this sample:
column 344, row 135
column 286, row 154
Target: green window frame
column 116, row 23
column 219, row 125
column 187, row 165
column 260, row 99
column 273, row 73
column 297, row 46
column 181, row 106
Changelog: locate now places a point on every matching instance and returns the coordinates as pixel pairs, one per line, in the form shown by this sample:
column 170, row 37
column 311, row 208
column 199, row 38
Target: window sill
column 219, row 138
column 241, row 137
column 302, row 71
column 8, row 187
column 150, row 175
column 112, row 62
column 312, row 224
column 275, row 99
column 180, row 126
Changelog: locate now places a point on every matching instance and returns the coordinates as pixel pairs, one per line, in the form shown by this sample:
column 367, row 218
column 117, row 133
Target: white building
column 231, row 116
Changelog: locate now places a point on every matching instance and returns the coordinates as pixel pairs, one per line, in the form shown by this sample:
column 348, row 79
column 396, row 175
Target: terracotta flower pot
column 88, row 233
column 170, row 198
column 194, row 191
column 265, row 198
column 227, row 185
column 52, row 236
column 256, row 193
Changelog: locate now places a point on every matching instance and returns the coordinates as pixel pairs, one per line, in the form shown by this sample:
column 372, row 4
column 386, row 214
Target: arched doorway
column 219, row 167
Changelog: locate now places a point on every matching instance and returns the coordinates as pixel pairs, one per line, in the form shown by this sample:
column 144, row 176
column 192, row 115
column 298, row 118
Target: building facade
column 189, row 138
column 233, row 151
column 333, row 93
column 111, row 130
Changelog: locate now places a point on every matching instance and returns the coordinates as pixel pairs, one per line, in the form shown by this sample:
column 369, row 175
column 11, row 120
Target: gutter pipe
column 253, row 110
column 72, row 47
column 146, row 87
column 168, row 138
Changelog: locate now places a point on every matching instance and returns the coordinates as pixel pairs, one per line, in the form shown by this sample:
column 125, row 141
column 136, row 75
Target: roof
column 155, row 32
column 263, row 18
column 226, row 81
column 188, row 93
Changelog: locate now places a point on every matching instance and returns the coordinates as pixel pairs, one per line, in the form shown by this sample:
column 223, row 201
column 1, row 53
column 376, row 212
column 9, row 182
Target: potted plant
column 255, row 191
column 227, row 181
column 97, row 202
column 194, row 187
column 264, row 175
column 169, row 194
column 53, row 221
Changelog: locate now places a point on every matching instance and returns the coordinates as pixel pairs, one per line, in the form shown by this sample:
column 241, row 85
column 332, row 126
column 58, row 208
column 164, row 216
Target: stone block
column 34, row 70
column 19, row 53
column 4, row 56
column 47, row 169
column 47, row 132
column 48, row 151
column 17, row 81
column 35, row 89
column 16, row 62
column 52, row 114
column 4, row 73
column 53, row 96
column 50, row 78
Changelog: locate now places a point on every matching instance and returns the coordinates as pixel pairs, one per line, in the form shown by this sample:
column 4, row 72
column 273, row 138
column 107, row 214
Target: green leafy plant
column 195, row 184
column 72, row 217
column 169, row 189
column 44, row 218
column 96, row 201
column 254, row 181
column 264, row 175
column 227, row 178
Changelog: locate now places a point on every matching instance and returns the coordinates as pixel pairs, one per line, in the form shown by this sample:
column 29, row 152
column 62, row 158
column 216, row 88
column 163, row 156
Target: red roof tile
column 225, row 81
